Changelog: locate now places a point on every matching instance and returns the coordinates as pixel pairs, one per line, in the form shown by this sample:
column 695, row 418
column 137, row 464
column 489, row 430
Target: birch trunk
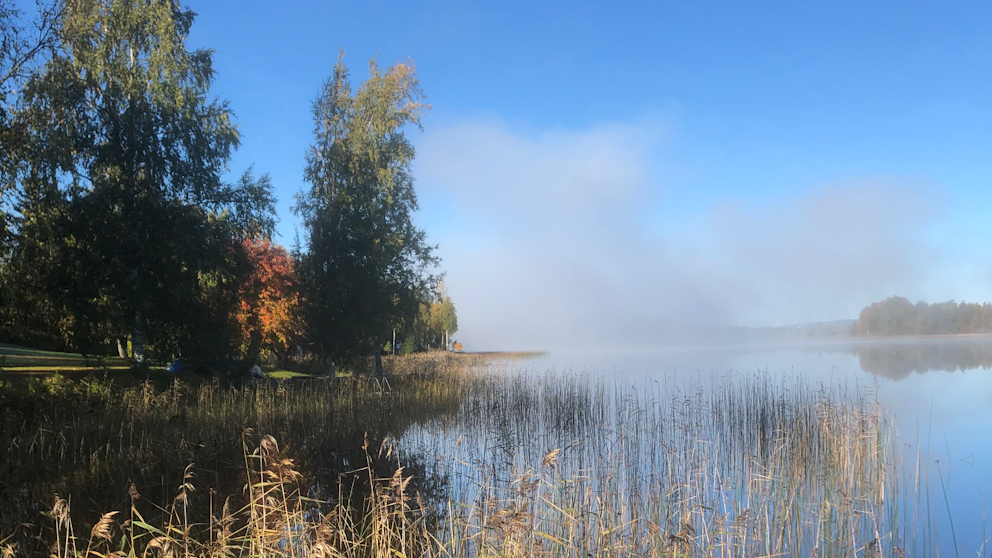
column 137, row 329
column 137, row 340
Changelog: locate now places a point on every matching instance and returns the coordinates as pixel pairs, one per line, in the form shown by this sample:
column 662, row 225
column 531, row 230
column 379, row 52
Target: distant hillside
column 899, row 316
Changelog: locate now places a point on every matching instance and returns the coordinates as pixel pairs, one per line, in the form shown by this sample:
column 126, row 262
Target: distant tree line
column 432, row 328
column 899, row 316
column 120, row 233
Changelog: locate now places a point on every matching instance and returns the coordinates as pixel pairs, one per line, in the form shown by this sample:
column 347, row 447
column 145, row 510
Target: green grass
column 15, row 359
column 286, row 375
column 292, row 374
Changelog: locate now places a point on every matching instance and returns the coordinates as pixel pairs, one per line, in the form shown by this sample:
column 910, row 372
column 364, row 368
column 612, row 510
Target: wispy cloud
column 556, row 248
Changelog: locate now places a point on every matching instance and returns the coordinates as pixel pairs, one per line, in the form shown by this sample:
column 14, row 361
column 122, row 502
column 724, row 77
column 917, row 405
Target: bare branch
column 21, row 52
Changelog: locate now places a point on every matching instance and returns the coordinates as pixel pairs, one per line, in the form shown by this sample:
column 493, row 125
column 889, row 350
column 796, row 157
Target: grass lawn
column 289, row 374
column 22, row 360
column 286, row 374
column 15, row 359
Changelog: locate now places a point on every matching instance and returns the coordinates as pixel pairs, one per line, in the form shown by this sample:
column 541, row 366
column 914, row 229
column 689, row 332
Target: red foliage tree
column 268, row 313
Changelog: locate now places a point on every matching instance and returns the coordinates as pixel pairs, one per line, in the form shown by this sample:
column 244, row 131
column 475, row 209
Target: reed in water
column 483, row 461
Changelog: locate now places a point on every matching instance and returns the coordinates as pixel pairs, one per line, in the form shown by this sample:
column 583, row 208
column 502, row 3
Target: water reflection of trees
column 897, row 360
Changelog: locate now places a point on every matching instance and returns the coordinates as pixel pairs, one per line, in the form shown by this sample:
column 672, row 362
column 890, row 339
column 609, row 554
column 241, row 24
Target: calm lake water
column 939, row 390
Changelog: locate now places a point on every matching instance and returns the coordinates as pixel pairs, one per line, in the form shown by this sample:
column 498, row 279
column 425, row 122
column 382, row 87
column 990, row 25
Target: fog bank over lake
column 569, row 239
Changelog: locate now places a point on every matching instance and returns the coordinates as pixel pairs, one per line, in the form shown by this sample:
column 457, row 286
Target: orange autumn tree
column 268, row 311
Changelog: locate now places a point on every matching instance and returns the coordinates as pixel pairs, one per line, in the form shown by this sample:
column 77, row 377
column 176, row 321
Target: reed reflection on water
column 747, row 464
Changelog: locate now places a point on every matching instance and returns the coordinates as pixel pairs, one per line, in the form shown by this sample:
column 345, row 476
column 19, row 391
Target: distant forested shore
column 898, row 316
column 893, row 317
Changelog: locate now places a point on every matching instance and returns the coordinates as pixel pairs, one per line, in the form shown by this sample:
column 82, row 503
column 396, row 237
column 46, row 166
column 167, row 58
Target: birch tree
column 365, row 265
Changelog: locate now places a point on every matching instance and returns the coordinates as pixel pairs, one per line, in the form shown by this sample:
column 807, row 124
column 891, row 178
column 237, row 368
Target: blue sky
column 594, row 169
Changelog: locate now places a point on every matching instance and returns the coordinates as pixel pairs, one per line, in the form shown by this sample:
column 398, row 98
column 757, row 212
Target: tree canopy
column 20, row 50
column 123, row 224
column 120, row 228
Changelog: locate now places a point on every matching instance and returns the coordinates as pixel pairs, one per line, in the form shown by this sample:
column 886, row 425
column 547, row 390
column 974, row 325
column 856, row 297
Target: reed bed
column 483, row 462
column 740, row 466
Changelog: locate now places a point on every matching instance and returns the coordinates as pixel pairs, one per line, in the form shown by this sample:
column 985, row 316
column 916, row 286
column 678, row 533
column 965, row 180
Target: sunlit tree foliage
column 268, row 311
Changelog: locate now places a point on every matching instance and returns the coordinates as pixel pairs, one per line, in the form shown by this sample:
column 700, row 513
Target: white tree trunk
column 137, row 339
